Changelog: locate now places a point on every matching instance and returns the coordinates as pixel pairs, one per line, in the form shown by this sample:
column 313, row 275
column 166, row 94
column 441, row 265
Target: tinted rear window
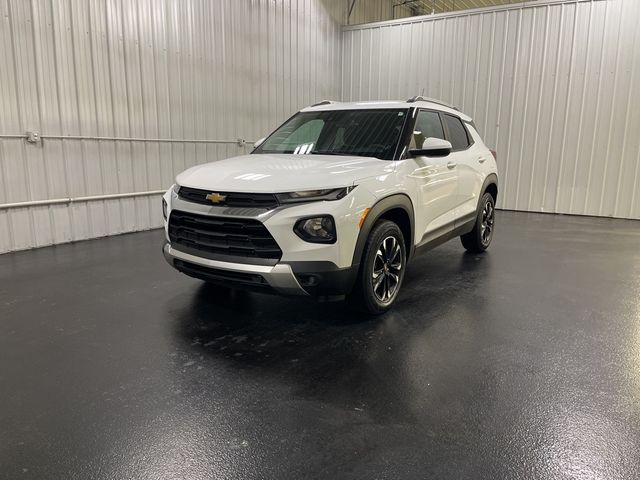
column 457, row 132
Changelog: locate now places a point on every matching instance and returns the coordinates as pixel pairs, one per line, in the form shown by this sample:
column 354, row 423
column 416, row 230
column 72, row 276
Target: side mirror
column 259, row 142
column 432, row 147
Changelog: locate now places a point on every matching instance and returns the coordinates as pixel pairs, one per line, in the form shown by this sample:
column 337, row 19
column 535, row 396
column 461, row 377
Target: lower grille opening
column 223, row 277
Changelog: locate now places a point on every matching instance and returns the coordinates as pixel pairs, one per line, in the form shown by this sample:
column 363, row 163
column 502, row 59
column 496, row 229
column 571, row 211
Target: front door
column 437, row 181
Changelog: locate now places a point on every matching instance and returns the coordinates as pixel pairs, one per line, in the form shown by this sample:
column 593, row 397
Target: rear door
column 468, row 158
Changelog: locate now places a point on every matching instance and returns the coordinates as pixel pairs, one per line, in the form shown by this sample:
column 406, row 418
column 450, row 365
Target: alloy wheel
column 387, row 268
column 488, row 220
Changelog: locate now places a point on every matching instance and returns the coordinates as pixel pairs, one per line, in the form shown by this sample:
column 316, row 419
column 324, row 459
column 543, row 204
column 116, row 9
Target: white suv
column 336, row 201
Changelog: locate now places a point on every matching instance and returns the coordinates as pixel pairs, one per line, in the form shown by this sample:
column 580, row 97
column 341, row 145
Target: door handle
column 451, row 165
column 482, row 159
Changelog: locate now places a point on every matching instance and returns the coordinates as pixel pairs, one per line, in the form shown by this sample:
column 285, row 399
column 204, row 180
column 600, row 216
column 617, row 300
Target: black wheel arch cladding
column 400, row 210
column 490, row 185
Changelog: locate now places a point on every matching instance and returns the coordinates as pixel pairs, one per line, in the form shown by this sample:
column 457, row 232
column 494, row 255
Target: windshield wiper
column 327, row 152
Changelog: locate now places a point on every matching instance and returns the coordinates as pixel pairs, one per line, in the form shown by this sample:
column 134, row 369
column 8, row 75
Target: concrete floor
column 520, row 363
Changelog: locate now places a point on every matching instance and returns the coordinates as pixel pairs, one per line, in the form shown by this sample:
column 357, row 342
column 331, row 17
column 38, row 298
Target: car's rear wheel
column 381, row 269
column 479, row 239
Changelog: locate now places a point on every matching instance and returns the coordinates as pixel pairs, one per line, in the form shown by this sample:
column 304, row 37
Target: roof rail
column 324, row 102
column 420, row 98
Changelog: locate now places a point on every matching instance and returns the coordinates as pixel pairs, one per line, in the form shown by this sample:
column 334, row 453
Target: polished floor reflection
column 520, row 363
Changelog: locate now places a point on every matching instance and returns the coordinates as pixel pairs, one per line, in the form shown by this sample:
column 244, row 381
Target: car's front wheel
column 381, row 269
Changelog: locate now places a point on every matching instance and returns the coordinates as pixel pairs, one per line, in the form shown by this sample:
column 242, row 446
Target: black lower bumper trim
column 324, row 278
column 249, row 281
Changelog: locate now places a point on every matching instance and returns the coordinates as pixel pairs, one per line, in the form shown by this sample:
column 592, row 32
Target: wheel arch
column 490, row 185
column 399, row 209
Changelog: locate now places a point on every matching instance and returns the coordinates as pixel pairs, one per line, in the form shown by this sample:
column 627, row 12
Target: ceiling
column 426, row 7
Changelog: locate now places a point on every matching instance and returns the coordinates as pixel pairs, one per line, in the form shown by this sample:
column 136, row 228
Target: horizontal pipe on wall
column 160, row 81
column 239, row 141
column 69, row 200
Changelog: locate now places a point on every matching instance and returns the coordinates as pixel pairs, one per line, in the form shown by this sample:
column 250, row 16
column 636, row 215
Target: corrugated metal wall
column 173, row 69
column 552, row 85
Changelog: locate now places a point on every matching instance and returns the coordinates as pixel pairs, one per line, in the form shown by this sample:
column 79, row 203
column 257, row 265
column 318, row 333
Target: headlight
column 316, row 229
column 314, row 195
column 175, row 188
column 164, row 208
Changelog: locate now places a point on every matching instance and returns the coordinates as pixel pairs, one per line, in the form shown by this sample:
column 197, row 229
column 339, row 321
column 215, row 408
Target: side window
column 457, row 132
column 428, row 124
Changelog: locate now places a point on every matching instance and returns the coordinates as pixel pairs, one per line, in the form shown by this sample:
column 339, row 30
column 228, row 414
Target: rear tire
column 479, row 239
column 381, row 269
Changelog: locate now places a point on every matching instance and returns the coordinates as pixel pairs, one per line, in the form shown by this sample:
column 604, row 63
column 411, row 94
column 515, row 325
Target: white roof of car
column 395, row 104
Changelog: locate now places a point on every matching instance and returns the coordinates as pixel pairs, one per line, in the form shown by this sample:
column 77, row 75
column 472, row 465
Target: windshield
column 368, row 133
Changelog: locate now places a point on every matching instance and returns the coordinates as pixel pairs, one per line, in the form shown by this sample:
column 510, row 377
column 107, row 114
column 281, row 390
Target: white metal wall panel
column 167, row 69
column 552, row 85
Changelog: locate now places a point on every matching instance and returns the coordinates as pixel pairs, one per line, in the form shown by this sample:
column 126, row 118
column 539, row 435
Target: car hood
column 275, row 173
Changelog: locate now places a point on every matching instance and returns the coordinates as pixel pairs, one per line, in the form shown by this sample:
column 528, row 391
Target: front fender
column 398, row 200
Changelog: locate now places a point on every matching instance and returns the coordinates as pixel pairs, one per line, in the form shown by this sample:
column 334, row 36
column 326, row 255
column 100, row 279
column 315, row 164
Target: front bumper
column 298, row 278
column 280, row 222
column 278, row 277
column 323, row 270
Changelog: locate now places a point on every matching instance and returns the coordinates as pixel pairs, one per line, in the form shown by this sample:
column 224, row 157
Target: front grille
column 232, row 199
column 223, row 237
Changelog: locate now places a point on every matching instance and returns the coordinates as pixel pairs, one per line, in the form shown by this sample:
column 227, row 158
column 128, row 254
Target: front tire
column 381, row 269
column 479, row 239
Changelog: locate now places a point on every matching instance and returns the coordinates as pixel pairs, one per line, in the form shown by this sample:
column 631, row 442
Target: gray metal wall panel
column 553, row 86
column 177, row 69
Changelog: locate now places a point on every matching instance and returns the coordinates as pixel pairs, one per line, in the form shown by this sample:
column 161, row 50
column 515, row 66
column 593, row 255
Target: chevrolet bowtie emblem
column 215, row 197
